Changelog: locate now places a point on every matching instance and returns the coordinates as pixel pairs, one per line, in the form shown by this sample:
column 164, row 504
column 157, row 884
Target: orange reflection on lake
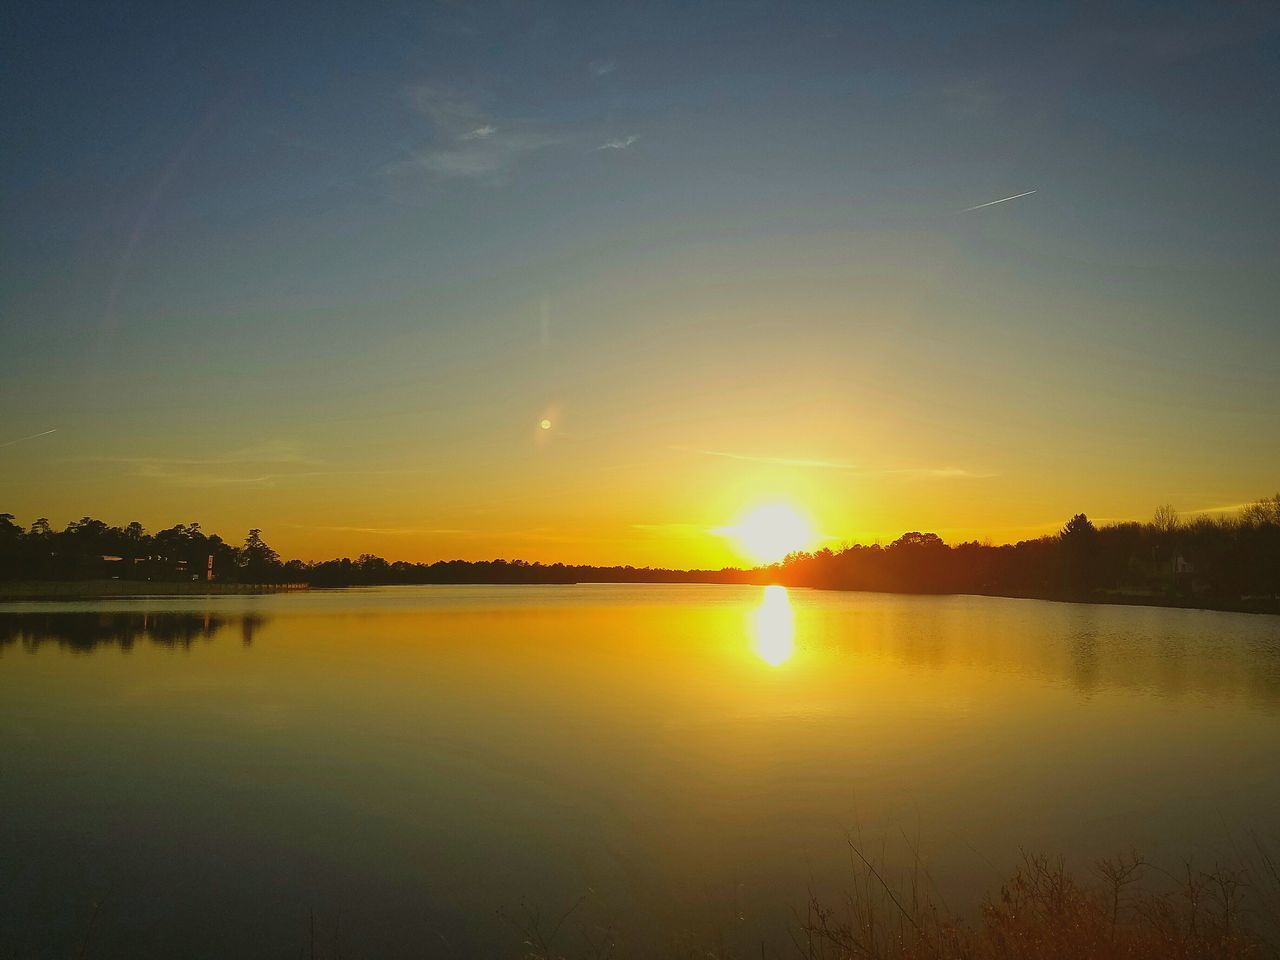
column 773, row 627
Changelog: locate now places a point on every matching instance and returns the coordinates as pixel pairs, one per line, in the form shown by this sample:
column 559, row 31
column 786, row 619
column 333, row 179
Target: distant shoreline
column 17, row 591
column 1260, row 605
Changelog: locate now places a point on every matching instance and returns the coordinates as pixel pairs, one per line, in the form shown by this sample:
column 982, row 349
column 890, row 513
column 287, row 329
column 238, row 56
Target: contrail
column 992, row 203
column 10, row 443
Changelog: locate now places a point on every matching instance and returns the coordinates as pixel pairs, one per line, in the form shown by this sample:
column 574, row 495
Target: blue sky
column 376, row 244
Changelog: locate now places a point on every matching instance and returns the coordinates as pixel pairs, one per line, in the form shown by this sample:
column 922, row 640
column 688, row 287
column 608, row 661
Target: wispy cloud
column 619, row 143
column 844, row 466
column 388, row 531
column 34, row 436
column 602, row 68
column 190, row 477
column 449, row 110
column 488, row 159
column 1225, row 508
column 479, row 133
column 276, row 452
column 937, row 473
column 503, row 535
column 669, row 529
column 467, row 143
column 263, row 465
column 780, row 461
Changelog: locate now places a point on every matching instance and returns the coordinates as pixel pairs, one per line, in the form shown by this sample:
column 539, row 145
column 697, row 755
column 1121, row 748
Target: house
column 1167, row 574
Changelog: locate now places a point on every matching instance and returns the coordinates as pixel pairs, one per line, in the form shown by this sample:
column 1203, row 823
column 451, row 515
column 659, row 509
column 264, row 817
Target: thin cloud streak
column 266, row 465
column 941, row 473
column 663, row 529
column 190, row 478
column 389, row 531
column 992, row 203
column 265, row 454
column 34, row 436
column 778, row 461
column 489, row 157
column 620, row 143
column 1227, row 508
column 535, row 534
column 248, row 455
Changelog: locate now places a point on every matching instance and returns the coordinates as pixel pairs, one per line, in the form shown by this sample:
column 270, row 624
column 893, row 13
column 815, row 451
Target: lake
column 423, row 769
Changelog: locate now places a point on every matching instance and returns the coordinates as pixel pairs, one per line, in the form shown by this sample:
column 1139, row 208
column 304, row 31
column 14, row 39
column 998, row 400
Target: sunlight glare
column 770, row 532
column 774, row 627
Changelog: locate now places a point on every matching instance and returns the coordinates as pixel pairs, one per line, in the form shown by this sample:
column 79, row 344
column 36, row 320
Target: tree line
column 1228, row 560
column 89, row 548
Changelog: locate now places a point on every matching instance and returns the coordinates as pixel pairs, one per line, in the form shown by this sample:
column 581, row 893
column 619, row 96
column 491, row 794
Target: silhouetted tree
column 1165, row 519
column 259, row 563
column 1079, row 539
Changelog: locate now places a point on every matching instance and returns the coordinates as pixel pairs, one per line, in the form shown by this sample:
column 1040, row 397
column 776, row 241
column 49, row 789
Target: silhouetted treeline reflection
column 1227, row 561
column 88, row 631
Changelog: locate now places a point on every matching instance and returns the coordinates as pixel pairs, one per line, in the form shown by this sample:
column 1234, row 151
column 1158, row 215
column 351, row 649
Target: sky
column 326, row 269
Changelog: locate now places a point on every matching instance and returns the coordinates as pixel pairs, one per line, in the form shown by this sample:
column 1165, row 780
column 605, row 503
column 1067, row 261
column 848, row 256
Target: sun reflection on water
column 774, row 627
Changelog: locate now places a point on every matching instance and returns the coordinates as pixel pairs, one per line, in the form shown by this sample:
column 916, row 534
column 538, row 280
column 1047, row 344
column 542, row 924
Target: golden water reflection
column 695, row 752
column 774, row 627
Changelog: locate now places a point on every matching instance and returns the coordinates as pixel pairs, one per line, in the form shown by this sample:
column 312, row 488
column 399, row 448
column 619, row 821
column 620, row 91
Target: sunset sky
column 326, row 270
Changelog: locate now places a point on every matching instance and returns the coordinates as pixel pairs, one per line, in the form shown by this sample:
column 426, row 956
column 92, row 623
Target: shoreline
column 23, row 590
column 27, row 590
column 1260, row 605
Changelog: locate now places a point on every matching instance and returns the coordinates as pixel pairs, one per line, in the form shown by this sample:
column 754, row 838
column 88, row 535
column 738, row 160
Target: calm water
column 413, row 764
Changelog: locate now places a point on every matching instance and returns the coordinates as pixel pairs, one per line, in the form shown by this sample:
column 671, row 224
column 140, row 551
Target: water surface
column 415, row 764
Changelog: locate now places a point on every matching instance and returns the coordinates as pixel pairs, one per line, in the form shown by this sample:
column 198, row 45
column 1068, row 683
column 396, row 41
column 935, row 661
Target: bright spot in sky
column 545, row 424
column 770, row 532
column 774, row 627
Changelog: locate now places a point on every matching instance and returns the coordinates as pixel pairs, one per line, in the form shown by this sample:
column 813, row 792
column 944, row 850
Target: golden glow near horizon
column 774, row 627
column 767, row 533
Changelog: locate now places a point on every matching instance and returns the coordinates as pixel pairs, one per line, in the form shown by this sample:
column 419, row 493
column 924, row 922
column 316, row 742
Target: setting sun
column 770, row 532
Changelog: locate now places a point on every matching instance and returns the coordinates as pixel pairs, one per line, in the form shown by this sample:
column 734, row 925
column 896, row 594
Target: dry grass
column 1124, row 909
column 1044, row 913
column 1127, row 909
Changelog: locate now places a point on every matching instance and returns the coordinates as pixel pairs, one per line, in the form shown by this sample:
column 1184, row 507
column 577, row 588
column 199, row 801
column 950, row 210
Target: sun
column 768, row 533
